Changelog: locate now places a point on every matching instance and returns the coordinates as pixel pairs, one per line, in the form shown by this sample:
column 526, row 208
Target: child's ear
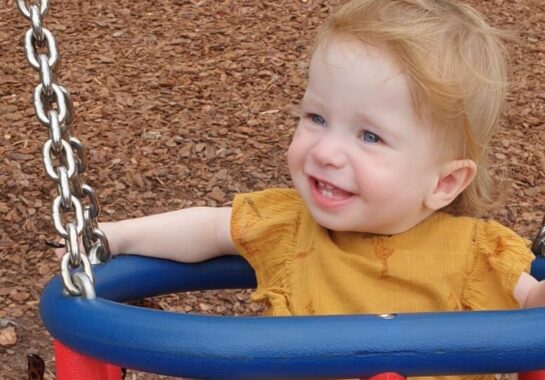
column 454, row 177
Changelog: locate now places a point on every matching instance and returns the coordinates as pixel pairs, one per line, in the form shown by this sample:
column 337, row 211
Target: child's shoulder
column 278, row 204
column 264, row 224
column 485, row 231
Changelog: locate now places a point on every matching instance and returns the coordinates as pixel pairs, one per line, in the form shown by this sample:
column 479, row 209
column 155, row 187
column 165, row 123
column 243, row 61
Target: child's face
column 360, row 158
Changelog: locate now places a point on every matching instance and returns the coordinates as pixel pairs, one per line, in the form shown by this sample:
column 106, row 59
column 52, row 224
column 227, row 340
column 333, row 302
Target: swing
column 95, row 328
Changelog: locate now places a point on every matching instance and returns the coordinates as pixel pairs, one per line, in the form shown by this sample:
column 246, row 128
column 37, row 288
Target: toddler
column 403, row 97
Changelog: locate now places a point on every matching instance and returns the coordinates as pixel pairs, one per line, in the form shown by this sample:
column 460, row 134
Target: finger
column 59, row 247
column 54, row 244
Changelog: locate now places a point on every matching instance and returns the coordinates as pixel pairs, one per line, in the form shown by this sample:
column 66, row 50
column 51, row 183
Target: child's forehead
column 337, row 49
column 349, row 53
column 345, row 59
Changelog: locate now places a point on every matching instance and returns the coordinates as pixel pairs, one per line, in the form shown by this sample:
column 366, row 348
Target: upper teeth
column 325, row 186
column 326, row 189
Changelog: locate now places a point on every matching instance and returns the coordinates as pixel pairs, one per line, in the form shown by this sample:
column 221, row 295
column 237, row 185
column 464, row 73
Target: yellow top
column 445, row 263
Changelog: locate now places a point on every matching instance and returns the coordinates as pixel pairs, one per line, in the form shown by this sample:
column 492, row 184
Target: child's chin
column 333, row 223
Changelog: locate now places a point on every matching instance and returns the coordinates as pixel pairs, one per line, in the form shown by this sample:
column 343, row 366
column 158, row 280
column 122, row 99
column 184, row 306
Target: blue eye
column 317, row 119
column 370, row 137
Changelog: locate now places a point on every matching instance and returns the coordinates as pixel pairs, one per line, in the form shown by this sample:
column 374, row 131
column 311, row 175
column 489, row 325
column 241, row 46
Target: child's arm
column 188, row 235
column 529, row 291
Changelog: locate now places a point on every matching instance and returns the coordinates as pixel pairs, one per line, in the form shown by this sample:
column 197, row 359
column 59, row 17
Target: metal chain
column 64, row 158
column 538, row 245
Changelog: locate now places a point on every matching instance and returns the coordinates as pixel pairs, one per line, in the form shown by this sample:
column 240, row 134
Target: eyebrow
column 370, row 120
column 386, row 129
column 306, row 99
column 310, row 99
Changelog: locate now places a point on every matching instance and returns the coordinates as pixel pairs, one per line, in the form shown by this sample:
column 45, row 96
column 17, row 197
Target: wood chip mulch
column 187, row 102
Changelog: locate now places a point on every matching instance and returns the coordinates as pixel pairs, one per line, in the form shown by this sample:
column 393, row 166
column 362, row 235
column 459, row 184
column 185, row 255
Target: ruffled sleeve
column 498, row 259
column 264, row 228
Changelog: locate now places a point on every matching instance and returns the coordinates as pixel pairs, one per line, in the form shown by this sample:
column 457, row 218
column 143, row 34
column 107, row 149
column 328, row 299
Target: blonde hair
column 457, row 69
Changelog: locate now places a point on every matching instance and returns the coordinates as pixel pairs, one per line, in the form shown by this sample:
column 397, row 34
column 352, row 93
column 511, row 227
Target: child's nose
column 329, row 151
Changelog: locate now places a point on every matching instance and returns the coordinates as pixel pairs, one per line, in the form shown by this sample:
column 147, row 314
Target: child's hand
column 59, row 247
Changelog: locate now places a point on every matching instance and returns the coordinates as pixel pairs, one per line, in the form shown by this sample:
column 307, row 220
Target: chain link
column 31, row 44
column 21, row 4
column 36, row 21
column 43, row 104
column 46, row 76
column 538, row 245
column 64, row 160
column 67, row 275
column 48, row 157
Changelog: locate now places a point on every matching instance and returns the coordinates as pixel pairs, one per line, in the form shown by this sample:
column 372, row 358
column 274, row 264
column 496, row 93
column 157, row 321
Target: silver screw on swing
column 69, row 153
column 387, row 316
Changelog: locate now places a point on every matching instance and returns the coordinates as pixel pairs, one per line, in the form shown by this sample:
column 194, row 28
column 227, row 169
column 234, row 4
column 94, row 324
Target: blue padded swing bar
column 201, row 346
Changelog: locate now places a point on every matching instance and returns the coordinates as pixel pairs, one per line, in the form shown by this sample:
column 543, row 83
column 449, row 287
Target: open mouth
column 328, row 194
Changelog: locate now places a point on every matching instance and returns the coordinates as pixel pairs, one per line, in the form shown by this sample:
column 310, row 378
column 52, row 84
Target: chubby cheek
column 293, row 158
column 296, row 152
column 379, row 180
column 398, row 184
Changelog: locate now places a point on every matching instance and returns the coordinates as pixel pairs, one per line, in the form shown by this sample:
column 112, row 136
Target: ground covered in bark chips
column 185, row 103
